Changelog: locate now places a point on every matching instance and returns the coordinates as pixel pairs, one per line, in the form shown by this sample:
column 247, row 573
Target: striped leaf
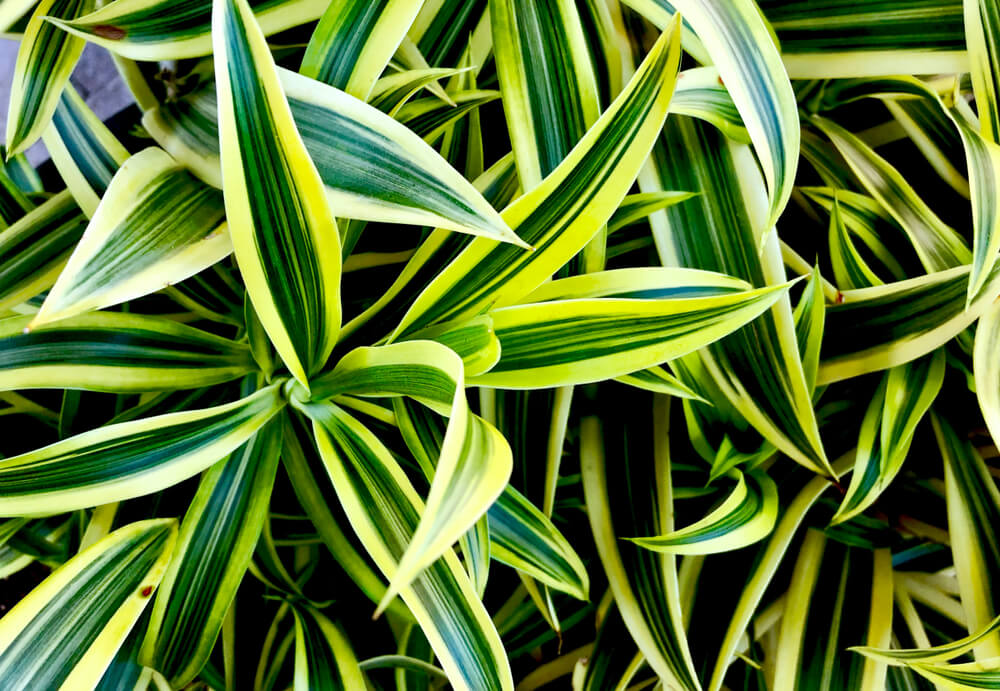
column 34, row 250
column 563, row 342
column 216, row 541
column 659, row 380
column 742, row 48
column 983, row 162
column 963, row 676
column 901, row 401
column 315, row 493
column 884, row 326
column 66, row 631
column 563, row 213
column 758, row 370
column 115, row 352
column 850, row 270
column 973, row 512
column 843, row 38
column 474, row 341
column 354, row 41
column 937, row 653
column 746, row 516
column 986, row 367
column 156, row 224
column 764, row 567
column 373, row 167
column 393, row 91
column 13, row 202
column 324, row 660
column 475, row 460
column 614, row 661
column 982, row 36
column 818, row 624
column 130, row 459
column 83, row 149
column 170, row 30
column 284, row 234
column 384, row 511
column 432, row 118
column 547, row 81
column 45, row 59
column 636, row 207
column 810, row 319
column 442, row 28
column 938, row 246
column 524, row 538
column 701, row 94
column 634, row 496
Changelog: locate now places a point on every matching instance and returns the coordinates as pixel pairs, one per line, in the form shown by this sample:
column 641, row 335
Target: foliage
column 581, row 342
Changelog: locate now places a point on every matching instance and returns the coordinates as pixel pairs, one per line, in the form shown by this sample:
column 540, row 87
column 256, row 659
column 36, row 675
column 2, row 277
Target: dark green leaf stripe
column 321, row 672
column 115, row 352
column 124, row 671
column 34, row 249
column 54, row 641
column 452, row 617
column 20, row 170
column 217, row 539
column 612, row 663
column 44, row 61
column 701, row 94
column 131, row 458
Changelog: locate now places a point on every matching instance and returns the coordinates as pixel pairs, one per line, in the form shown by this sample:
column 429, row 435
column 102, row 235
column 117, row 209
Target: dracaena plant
column 413, row 344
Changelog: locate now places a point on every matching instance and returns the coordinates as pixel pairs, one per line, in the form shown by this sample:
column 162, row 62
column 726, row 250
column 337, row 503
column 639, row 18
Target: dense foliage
column 582, row 344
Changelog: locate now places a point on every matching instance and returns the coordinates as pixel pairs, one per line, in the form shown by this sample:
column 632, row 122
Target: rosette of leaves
column 416, row 344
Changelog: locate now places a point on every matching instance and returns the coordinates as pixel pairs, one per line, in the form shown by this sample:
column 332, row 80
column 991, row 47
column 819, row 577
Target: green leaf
column 83, row 149
column 937, row 653
column 758, row 370
column 324, row 660
column 982, row 35
column 136, row 28
column 635, row 207
column 564, row 342
column 66, row 631
column 901, row 401
column 284, row 234
column 216, row 541
column 130, row 459
column 810, row 318
column 850, row 269
column 743, row 49
column 702, row 94
column 884, row 326
column 819, row 624
column 34, row 250
column 938, row 246
column 963, row 676
column 843, row 38
column 373, row 167
column 354, row 41
column 562, row 214
column 475, row 460
column 115, row 352
column 547, row 81
column 384, row 510
column 746, row 516
column 973, row 512
column 634, row 496
column 45, row 59
column 156, row 225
